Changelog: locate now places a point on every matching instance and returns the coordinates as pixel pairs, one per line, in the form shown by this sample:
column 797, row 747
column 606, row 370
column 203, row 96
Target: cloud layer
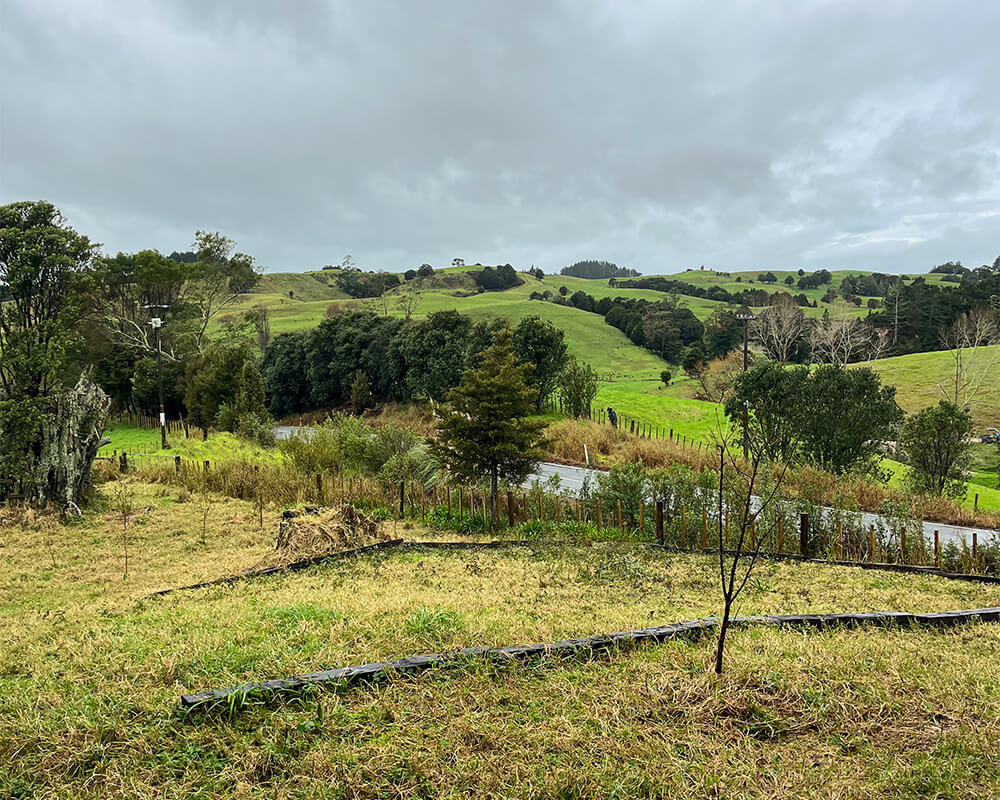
column 658, row 135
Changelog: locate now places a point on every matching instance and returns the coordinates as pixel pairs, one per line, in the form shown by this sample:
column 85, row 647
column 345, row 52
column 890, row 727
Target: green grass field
column 91, row 673
column 922, row 379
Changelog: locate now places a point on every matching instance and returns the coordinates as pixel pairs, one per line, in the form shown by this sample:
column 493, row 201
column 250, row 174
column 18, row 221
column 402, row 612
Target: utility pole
column 156, row 323
column 747, row 318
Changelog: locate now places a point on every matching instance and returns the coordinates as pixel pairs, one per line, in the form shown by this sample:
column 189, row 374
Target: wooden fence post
column 684, row 539
column 206, row 467
column 642, row 519
column 871, row 543
column 177, row 464
column 541, row 512
column 937, row 549
column 659, row 521
column 319, row 489
column 619, row 513
column 598, row 513
column 402, row 497
column 804, row 534
column 510, row 508
column 704, row 529
column 975, row 551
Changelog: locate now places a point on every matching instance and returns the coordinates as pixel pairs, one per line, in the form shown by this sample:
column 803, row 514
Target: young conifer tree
column 484, row 431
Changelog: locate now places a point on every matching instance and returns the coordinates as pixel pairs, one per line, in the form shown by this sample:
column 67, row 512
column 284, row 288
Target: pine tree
column 484, row 430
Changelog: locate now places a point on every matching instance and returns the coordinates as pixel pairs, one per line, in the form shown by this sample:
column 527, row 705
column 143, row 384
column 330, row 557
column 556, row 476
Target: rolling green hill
column 921, row 380
column 630, row 374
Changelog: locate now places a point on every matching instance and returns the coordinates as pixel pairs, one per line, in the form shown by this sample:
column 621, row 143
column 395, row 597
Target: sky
column 659, row 135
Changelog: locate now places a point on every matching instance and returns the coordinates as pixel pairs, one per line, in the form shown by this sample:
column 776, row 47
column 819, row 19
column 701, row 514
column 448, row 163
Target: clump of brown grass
column 313, row 532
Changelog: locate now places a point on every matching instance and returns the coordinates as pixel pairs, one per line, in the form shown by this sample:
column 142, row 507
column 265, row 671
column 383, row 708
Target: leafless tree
column 262, row 325
column 779, row 328
column 408, row 302
column 967, row 340
column 838, row 341
column 741, row 481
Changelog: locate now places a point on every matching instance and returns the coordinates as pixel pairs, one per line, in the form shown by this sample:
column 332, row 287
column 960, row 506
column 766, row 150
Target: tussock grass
column 90, row 674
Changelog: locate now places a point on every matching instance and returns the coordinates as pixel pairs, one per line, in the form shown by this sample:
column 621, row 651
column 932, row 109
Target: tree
column 578, row 388
column 768, row 402
column 974, row 366
column 779, row 328
column 935, row 442
column 258, row 315
column 213, row 380
column 789, row 280
column 540, row 343
column 222, row 277
column 851, row 415
column 747, row 492
column 665, row 376
column 361, row 393
column 283, row 368
column 425, row 271
column 484, row 431
column 51, row 415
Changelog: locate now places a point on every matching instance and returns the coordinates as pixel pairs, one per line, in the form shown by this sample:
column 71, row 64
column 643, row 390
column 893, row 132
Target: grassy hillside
column 630, row 374
column 921, row 380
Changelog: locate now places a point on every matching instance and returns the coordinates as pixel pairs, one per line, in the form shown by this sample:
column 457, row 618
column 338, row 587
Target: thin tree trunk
column 723, row 629
column 493, row 497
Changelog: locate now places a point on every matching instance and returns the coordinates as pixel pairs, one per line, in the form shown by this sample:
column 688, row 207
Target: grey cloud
column 658, row 135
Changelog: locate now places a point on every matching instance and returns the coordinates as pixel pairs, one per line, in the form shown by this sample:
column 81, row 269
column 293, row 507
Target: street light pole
column 156, row 323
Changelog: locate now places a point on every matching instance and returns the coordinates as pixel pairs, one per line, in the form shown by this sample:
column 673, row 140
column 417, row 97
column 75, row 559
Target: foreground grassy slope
column 90, row 675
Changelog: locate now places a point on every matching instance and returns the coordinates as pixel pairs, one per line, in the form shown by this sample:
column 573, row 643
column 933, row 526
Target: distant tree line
column 402, row 360
column 595, row 270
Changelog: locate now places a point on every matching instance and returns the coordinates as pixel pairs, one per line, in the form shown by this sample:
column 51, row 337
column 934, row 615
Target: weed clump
column 312, row 531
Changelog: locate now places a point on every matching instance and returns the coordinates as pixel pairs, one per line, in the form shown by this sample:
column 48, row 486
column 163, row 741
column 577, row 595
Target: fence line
column 686, row 525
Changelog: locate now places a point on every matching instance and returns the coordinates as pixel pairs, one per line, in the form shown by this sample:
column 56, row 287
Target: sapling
column 752, row 489
column 124, row 502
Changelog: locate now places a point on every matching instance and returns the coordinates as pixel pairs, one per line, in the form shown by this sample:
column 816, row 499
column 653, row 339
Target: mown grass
column 90, row 674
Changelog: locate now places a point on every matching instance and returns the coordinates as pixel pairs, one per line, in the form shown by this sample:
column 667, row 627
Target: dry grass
column 90, row 674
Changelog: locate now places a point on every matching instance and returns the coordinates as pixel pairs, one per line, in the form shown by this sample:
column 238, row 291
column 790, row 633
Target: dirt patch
column 312, row 531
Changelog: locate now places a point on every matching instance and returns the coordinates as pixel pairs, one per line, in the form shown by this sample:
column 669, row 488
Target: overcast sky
column 659, row 135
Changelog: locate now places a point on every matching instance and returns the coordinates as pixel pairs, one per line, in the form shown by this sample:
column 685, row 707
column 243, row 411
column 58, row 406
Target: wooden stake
column 619, row 513
column 598, row 513
column 684, row 538
column 840, row 539
column 642, row 521
column 937, row 549
column 781, row 534
column 871, row 543
column 704, row 529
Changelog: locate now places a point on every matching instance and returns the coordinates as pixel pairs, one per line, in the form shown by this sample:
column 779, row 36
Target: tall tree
column 485, row 430
column 779, row 329
column 850, row 415
column 578, row 388
column 935, row 442
column 51, row 415
column 541, row 344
